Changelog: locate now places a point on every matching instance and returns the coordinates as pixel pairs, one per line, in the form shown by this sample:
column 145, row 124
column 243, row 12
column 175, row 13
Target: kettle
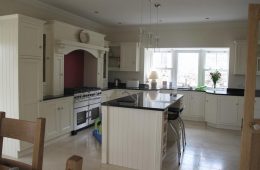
column 116, row 82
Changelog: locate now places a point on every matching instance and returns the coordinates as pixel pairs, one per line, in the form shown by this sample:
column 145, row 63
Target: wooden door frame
column 250, row 87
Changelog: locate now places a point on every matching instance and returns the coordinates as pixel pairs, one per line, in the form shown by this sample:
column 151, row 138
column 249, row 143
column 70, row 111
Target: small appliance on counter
column 132, row 84
column 117, row 82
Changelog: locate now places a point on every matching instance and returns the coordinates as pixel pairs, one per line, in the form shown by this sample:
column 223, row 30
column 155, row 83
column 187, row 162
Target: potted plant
column 215, row 76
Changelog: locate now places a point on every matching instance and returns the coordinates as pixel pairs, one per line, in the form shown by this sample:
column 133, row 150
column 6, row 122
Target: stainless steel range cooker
column 87, row 106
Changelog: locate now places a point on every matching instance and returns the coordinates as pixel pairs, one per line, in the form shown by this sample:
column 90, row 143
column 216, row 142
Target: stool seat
column 175, row 110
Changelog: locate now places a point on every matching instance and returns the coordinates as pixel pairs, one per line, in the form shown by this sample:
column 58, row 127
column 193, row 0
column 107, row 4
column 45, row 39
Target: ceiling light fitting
column 150, row 36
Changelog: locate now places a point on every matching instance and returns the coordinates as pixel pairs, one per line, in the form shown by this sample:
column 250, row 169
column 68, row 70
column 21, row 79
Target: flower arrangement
column 215, row 76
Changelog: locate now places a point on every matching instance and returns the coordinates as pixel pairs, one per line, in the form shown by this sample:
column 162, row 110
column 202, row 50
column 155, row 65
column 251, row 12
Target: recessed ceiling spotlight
column 207, row 18
column 119, row 23
column 96, row 12
column 160, row 20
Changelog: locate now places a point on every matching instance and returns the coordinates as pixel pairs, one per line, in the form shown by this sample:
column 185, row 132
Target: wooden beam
column 250, row 86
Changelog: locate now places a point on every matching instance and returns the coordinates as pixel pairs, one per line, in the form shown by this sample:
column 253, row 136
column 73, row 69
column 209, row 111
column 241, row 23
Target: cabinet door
column 186, row 103
column 129, row 57
column 100, row 72
column 30, row 39
column 257, row 108
column 197, row 105
column 241, row 55
column 66, row 115
column 211, row 108
column 228, row 110
column 58, row 76
column 240, row 110
column 30, row 88
column 50, row 111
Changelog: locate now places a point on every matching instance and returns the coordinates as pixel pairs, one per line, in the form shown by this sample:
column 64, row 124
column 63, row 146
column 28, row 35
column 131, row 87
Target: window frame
column 201, row 61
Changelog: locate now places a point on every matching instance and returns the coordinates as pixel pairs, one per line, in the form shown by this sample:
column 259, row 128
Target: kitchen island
column 134, row 129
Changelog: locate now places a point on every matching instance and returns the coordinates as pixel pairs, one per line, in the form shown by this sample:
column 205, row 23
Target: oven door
column 81, row 117
column 94, row 112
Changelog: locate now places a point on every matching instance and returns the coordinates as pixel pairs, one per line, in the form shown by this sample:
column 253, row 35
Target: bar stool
column 176, row 123
column 178, row 111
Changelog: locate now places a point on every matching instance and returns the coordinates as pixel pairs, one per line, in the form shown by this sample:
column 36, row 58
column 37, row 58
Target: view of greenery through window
column 191, row 67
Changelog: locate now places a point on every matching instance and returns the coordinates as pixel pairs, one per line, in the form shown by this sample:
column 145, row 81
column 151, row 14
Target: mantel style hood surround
column 64, row 47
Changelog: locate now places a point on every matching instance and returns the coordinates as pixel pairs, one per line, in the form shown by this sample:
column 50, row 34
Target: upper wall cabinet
column 130, row 53
column 31, row 38
column 241, row 56
column 124, row 57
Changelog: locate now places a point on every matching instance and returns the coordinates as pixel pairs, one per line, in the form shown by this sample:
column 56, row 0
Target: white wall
column 37, row 9
column 219, row 34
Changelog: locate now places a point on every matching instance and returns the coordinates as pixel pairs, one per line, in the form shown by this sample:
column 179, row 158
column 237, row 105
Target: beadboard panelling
column 133, row 137
column 9, row 73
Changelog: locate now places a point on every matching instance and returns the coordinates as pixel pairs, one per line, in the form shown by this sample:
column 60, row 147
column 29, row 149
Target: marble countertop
column 151, row 100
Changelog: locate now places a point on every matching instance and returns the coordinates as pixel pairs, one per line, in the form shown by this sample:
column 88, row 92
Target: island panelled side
column 134, row 129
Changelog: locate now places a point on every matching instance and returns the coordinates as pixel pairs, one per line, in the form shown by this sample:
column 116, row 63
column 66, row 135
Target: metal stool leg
column 182, row 133
column 176, row 134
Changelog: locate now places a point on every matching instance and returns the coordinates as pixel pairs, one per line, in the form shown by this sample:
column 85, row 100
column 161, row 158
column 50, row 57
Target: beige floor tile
column 207, row 149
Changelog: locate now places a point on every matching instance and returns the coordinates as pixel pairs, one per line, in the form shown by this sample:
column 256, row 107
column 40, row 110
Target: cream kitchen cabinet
column 257, row 108
column 124, row 56
column 129, row 57
column 21, row 72
column 241, row 48
column 240, row 57
column 211, row 109
column 59, row 116
column 193, row 105
column 223, row 111
column 228, row 111
column 30, row 73
column 100, row 68
column 31, row 38
column 58, row 75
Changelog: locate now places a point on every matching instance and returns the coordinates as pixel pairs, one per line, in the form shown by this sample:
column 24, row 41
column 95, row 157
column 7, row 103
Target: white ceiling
column 128, row 12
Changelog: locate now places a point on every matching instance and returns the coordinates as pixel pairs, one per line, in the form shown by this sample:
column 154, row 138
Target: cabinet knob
column 61, row 74
column 40, row 46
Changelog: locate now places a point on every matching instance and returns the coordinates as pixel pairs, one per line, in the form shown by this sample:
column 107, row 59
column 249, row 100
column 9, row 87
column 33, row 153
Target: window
column 190, row 67
column 216, row 60
column 162, row 62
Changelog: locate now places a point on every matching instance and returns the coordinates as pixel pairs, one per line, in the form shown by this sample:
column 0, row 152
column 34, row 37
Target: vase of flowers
column 215, row 76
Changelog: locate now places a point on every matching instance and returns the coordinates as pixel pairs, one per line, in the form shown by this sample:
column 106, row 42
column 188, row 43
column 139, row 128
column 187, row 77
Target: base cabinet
column 193, row 105
column 257, row 108
column 59, row 116
column 224, row 111
column 211, row 108
column 228, row 110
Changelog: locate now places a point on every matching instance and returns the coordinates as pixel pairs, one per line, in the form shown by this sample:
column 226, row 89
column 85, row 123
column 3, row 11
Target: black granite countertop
column 226, row 91
column 149, row 100
column 231, row 92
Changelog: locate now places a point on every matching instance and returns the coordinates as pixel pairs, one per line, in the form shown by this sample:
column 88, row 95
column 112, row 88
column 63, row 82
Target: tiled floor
column 207, row 149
